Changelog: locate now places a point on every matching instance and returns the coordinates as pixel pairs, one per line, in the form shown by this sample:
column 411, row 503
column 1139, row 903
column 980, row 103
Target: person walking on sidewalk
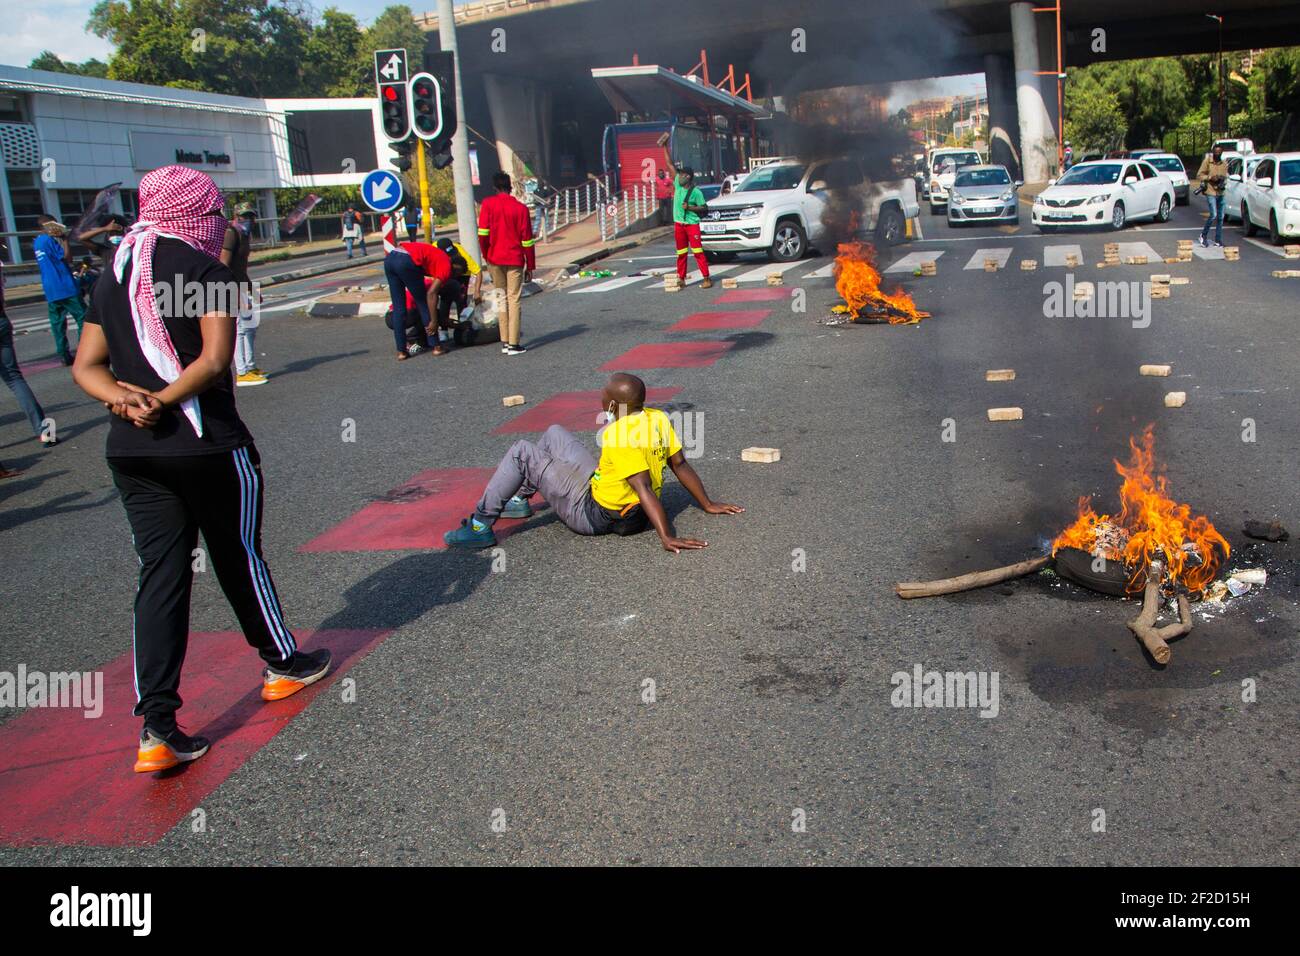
column 55, row 262
column 1213, row 176
column 353, row 229
column 234, row 256
column 181, row 457
column 13, row 374
column 688, row 204
column 506, row 238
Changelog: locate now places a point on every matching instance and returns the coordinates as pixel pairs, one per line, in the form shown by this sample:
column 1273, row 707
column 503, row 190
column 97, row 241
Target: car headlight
column 1006, row 196
column 749, row 212
column 957, row 199
column 1098, row 199
column 1292, row 204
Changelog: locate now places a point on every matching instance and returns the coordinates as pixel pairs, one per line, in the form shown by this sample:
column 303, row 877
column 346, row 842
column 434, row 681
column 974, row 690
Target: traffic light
column 394, row 94
column 402, row 160
column 426, row 107
column 433, row 100
column 395, row 112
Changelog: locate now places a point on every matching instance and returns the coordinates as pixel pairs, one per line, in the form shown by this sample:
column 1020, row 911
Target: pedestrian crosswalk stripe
column 1276, row 250
column 823, row 272
column 1210, row 252
column 1001, row 255
column 1127, row 249
column 760, row 274
column 1056, row 255
column 610, row 284
column 713, row 271
column 913, row 260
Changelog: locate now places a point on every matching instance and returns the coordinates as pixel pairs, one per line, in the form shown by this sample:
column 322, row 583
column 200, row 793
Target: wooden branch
column 1153, row 638
column 967, row 582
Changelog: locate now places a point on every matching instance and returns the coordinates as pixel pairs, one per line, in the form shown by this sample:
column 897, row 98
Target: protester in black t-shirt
column 156, row 351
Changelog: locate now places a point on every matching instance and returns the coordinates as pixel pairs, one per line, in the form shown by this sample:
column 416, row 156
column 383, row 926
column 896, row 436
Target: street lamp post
column 1223, row 93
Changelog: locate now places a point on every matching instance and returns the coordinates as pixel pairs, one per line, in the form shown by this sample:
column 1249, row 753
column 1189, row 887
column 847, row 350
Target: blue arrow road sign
column 381, row 190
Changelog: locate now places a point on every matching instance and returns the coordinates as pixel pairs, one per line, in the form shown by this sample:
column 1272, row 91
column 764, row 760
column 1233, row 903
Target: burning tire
column 789, row 242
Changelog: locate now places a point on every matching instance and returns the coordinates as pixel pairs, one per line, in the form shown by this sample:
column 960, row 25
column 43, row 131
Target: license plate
column 1058, row 215
column 983, row 207
column 713, row 227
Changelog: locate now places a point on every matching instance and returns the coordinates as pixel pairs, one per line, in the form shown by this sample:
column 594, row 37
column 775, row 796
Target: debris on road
column 1161, row 371
column 1000, row 375
column 762, row 455
column 1265, row 530
column 1006, row 414
column 1175, row 399
column 510, row 401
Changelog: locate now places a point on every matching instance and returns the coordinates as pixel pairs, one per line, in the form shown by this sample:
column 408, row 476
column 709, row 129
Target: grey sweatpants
column 558, row 465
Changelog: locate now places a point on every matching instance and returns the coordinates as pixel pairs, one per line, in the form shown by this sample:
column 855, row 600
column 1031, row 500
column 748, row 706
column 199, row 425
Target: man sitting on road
column 688, row 204
column 620, row 495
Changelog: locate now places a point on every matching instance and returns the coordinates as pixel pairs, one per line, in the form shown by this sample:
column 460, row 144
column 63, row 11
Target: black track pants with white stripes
column 169, row 501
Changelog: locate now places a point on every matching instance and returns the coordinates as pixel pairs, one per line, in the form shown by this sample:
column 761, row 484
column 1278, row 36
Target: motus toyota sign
column 150, row 150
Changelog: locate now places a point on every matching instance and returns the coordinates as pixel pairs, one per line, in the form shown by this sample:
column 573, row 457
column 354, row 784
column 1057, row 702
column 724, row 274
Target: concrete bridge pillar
column 1004, row 123
column 521, row 112
column 1037, row 121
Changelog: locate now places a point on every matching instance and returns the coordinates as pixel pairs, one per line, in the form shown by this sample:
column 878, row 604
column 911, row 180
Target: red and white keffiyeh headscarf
column 178, row 203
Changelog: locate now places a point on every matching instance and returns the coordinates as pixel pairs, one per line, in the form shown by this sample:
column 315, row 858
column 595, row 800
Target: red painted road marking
column 734, row 319
column 576, row 411
column 669, row 355
column 415, row 515
column 762, row 294
column 44, row 365
column 68, row 779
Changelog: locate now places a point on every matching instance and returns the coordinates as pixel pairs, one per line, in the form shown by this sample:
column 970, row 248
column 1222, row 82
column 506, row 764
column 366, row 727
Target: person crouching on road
column 617, row 495
column 406, row 268
column 506, row 238
column 234, row 256
column 180, row 455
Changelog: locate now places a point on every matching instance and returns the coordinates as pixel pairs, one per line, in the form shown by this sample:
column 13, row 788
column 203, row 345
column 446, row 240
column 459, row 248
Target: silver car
column 984, row 193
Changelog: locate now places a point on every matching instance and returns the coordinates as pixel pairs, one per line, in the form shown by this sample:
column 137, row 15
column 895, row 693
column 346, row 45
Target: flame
column 1154, row 524
column 858, row 282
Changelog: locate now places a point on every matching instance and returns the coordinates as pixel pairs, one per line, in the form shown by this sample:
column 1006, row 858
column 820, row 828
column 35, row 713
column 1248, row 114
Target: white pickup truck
column 778, row 208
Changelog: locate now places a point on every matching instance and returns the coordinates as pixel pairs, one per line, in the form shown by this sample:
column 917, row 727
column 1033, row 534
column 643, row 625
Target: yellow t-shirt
column 632, row 444
column 469, row 260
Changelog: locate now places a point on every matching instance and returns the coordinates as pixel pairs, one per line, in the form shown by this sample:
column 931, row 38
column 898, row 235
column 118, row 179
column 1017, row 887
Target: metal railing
column 627, row 209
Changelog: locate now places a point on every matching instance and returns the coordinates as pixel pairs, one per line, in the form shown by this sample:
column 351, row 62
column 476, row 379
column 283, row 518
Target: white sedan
column 1170, row 165
column 1271, row 197
column 1106, row 192
column 1240, row 169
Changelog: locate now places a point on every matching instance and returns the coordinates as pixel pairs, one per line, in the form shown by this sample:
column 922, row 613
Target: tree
column 1094, row 118
column 333, row 55
column 393, row 29
column 48, row 60
column 1152, row 94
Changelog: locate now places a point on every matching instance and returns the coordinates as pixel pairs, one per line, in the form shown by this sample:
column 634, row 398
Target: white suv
column 778, row 208
column 1271, row 197
column 944, row 163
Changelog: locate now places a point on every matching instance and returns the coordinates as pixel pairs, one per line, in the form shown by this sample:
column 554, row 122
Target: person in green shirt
column 688, row 204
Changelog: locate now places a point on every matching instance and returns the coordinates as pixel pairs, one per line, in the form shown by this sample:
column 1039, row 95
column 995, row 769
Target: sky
column 59, row 25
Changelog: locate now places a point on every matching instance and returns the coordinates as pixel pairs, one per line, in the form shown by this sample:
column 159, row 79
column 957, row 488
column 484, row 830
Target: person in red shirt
column 505, row 234
column 406, row 268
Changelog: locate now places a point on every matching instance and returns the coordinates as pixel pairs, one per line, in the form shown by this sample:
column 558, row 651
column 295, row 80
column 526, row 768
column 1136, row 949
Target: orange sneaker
column 162, row 752
column 305, row 667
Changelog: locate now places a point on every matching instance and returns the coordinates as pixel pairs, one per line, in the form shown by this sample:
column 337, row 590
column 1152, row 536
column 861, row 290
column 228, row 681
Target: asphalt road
column 518, row 695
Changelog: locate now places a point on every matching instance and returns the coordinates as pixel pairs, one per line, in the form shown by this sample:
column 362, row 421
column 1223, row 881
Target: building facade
column 65, row 138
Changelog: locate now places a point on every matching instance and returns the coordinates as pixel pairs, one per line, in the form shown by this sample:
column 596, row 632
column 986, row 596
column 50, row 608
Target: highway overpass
column 526, row 63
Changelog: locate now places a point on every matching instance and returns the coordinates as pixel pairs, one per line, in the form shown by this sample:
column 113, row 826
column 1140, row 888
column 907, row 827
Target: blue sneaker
column 469, row 537
column 517, row 507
